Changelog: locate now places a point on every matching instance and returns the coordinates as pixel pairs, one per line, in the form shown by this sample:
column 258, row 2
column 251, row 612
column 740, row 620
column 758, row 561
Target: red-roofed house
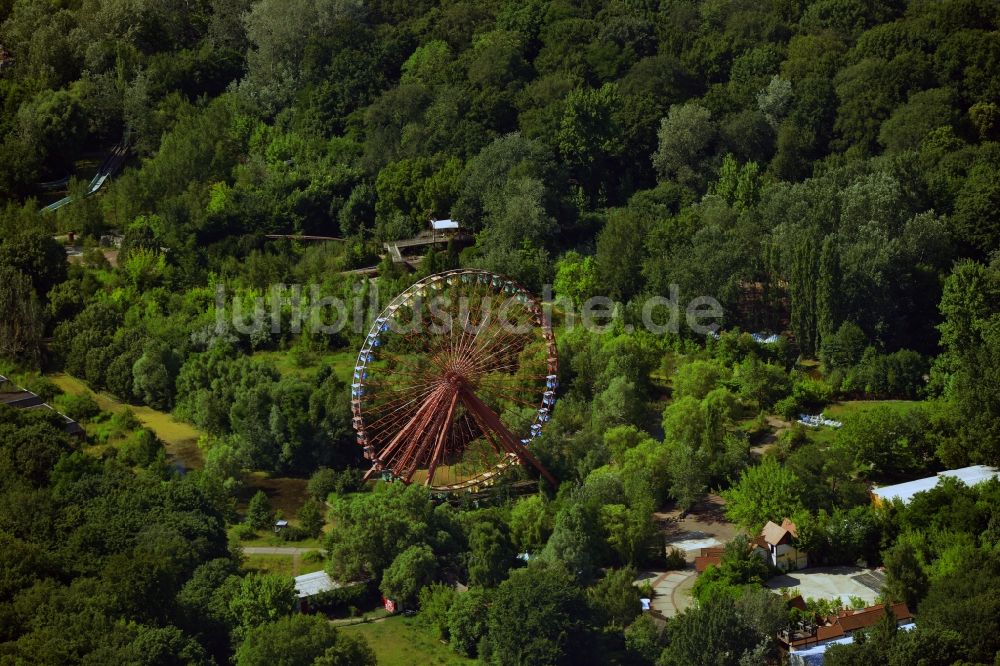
column 841, row 625
column 782, row 551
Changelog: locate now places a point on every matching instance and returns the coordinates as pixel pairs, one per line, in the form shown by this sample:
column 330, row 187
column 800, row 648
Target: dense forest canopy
column 824, row 169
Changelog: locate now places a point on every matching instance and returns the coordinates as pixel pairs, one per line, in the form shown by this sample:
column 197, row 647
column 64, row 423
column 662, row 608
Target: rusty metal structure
column 454, row 380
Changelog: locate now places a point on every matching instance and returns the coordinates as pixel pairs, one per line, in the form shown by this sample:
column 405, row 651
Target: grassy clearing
column 286, row 495
column 275, row 564
column 404, row 641
column 287, row 565
column 341, row 361
column 180, row 439
column 267, row 538
column 847, row 410
column 850, row 408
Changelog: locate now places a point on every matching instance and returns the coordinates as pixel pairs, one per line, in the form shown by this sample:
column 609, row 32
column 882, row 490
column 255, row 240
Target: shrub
column 245, row 532
column 345, row 599
column 79, row 407
column 293, row 533
column 325, row 482
column 675, row 560
column 435, row 601
column 42, row 387
column 140, row 448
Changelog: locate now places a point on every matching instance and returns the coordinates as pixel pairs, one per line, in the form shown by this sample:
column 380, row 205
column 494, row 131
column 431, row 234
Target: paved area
column 704, row 526
column 695, row 541
column 832, row 583
column 671, row 590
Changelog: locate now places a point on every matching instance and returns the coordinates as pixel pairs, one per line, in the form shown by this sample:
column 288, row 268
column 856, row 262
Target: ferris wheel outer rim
column 357, row 413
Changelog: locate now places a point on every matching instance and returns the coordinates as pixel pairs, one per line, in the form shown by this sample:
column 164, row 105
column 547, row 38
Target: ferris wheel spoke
column 487, row 362
column 380, row 397
column 502, row 335
column 496, row 348
column 508, row 397
column 512, row 377
column 382, row 415
column 466, row 354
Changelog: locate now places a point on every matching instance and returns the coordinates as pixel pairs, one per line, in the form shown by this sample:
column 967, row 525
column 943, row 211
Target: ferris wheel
column 454, row 380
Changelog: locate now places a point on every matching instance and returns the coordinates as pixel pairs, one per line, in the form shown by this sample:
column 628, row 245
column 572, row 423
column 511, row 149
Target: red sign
column 390, row 605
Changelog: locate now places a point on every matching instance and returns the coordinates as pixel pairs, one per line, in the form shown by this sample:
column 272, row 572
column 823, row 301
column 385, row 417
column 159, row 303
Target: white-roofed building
column 310, row 585
column 444, row 225
column 970, row 476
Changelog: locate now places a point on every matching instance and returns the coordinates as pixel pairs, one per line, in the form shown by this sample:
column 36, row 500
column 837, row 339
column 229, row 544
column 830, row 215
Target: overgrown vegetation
column 825, row 169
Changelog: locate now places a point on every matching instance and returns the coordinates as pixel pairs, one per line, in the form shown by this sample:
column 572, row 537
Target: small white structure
column 444, row 225
column 779, row 540
column 904, row 492
column 817, row 420
column 766, row 338
column 280, row 525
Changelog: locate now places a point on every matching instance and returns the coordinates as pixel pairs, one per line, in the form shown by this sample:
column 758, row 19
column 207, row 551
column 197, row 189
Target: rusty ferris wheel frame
column 454, row 380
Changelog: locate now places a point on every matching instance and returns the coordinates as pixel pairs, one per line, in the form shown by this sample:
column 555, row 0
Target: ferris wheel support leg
column 419, row 419
column 487, row 416
column 426, row 435
column 442, row 436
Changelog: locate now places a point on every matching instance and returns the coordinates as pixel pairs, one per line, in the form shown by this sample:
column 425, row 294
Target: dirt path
column 277, row 550
column 778, row 426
